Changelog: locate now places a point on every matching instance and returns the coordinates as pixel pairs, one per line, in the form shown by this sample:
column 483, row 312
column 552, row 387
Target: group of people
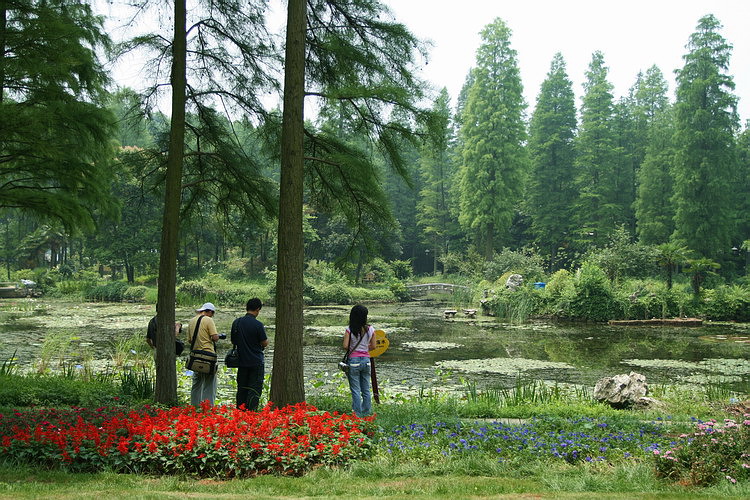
column 248, row 335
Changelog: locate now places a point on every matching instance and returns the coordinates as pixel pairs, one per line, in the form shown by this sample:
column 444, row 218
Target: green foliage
column 56, row 136
column 493, row 133
column 594, row 299
column 402, row 269
column 135, row 293
column 716, row 452
column 52, row 390
column 551, row 191
column 399, row 290
column 622, row 258
column 727, row 303
column 515, row 306
column 137, row 383
column 699, row 271
column 113, row 291
column 528, row 265
column 646, row 299
column 597, row 211
column 705, row 160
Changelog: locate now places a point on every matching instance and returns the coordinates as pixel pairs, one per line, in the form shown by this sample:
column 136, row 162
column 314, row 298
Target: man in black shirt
column 249, row 335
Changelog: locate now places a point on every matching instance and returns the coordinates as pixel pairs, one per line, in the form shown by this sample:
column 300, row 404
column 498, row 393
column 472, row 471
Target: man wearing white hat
column 204, row 384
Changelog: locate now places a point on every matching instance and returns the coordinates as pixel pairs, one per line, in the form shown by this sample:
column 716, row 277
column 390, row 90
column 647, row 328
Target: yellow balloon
column 381, row 344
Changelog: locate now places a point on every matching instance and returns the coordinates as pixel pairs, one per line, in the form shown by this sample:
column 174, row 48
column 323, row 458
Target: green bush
column 646, row 299
column 594, row 300
column 55, row 390
column 623, row 258
column 135, row 293
column 399, row 290
column 528, row 265
column 513, row 305
column 110, row 292
column 713, row 454
column 328, row 294
column 194, row 289
column 727, row 303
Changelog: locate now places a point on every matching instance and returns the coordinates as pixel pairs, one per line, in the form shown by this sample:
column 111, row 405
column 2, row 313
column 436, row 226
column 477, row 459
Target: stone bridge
column 424, row 289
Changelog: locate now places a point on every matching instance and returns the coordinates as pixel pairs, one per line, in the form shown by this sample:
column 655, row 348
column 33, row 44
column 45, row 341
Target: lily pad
column 506, row 366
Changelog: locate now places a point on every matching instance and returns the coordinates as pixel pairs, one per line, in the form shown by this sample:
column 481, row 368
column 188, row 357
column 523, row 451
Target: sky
column 632, row 35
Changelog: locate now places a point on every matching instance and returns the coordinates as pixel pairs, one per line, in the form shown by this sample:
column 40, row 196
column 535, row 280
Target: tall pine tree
column 436, row 170
column 597, row 211
column 551, row 191
column 705, row 158
column 493, row 135
column 653, row 205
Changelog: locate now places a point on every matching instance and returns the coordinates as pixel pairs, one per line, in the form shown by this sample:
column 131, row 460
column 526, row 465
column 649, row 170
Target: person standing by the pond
column 204, row 384
column 359, row 339
column 249, row 335
column 151, row 334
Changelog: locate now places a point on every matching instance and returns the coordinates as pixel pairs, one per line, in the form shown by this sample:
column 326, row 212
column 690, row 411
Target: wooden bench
column 449, row 313
column 471, row 313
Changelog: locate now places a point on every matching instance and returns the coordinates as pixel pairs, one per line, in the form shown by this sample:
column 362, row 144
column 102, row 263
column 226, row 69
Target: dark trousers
column 249, row 386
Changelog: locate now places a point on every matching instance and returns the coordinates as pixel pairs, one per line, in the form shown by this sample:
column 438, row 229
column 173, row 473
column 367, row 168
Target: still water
column 426, row 351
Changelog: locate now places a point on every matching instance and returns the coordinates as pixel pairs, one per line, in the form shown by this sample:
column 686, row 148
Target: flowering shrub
column 220, row 441
column 711, row 454
column 579, row 440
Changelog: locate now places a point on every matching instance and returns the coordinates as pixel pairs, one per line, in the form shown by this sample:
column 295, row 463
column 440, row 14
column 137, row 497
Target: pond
column 426, row 351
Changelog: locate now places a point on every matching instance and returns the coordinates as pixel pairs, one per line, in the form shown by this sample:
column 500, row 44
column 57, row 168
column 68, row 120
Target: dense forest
column 84, row 161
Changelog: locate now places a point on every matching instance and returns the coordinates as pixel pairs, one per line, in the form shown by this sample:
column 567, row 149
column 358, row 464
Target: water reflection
column 425, row 351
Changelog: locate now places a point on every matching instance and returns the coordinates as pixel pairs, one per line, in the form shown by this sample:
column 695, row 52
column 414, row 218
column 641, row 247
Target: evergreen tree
column 705, row 157
column 551, row 191
column 55, row 134
column 654, row 206
column 597, row 211
column 436, row 170
column 493, row 134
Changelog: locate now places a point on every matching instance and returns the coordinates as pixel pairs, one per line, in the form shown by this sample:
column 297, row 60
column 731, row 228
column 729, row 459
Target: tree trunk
column 287, row 382
column 166, row 373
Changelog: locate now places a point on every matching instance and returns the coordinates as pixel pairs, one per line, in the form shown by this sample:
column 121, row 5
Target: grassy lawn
column 371, row 480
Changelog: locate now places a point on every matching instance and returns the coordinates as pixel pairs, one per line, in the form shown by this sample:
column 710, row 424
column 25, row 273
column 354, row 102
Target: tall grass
column 525, row 391
column 9, row 365
column 56, row 347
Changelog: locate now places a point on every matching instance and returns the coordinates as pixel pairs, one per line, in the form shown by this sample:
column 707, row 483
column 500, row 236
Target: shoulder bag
column 344, row 363
column 200, row 361
column 232, row 359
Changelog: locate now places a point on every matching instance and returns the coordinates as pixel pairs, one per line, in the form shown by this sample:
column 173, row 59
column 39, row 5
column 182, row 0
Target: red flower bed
column 220, row 441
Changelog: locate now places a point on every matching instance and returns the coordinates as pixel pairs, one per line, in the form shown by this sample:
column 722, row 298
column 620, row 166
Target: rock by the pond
column 647, row 403
column 621, row 391
column 513, row 282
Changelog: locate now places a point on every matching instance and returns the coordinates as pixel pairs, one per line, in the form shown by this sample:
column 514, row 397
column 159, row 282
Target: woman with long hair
column 359, row 339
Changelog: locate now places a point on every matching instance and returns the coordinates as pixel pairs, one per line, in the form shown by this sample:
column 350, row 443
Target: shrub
column 528, row 265
column 381, row 271
column 645, row 299
column 710, row 455
column 727, row 303
column 110, row 292
column 593, row 300
column 622, row 258
column 51, row 390
column 328, row 294
column 402, row 269
column 135, row 293
column 194, row 289
column 399, row 290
